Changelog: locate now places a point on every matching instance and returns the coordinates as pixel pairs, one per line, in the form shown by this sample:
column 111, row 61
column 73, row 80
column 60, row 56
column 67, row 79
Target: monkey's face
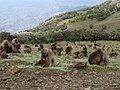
column 18, row 46
column 6, row 45
column 25, row 46
column 44, row 52
column 16, row 41
column 102, row 63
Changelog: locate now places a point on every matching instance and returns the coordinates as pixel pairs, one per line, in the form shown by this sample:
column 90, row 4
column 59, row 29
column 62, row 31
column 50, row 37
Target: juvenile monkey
column 27, row 48
column 3, row 54
column 47, row 58
column 76, row 54
column 68, row 50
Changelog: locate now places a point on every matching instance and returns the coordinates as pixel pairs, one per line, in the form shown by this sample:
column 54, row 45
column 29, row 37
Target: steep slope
column 106, row 15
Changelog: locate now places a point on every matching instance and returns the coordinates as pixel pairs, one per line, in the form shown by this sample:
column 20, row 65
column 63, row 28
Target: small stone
column 53, row 80
column 14, row 69
column 5, row 78
column 28, row 79
column 39, row 88
column 37, row 72
column 93, row 73
column 68, row 79
column 40, row 81
column 33, row 76
column 75, row 71
column 7, row 64
column 1, row 69
column 87, row 88
column 115, row 84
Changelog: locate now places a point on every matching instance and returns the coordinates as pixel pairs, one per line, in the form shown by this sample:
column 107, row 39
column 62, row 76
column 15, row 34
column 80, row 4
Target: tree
column 6, row 36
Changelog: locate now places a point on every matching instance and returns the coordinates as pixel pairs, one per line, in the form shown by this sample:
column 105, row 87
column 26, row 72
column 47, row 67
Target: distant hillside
column 105, row 15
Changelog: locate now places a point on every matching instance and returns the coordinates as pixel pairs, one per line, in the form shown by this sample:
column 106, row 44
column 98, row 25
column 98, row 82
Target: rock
column 93, row 73
column 75, row 72
column 37, row 72
column 80, row 65
column 40, row 80
column 28, row 79
column 7, row 64
column 53, row 80
column 1, row 69
column 114, row 84
column 87, row 88
column 4, row 78
column 33, row 76
column 68, row 79
column 14, row 69
column 38, row 88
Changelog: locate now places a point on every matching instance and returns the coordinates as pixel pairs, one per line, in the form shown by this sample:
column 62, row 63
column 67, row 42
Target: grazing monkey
column 47, row 58
column 84, row 51
column 59, row 50
column 76, row 55
column 6, row 46
column 98, row 58
column 53, row 47
column 56, row 50
column 27, row 48
column 15, row 45
column 68, row 50
column 3, row 54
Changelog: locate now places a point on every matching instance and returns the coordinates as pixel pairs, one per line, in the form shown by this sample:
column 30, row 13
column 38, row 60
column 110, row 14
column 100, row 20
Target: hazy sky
column 12, row 3
column 16, row 15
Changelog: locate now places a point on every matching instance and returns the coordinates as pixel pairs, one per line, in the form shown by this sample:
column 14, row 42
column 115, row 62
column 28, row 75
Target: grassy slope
column 112, row 22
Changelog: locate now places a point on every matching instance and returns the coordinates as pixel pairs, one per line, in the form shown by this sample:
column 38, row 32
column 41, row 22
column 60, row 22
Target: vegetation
column 95, row 15
column 6, row 36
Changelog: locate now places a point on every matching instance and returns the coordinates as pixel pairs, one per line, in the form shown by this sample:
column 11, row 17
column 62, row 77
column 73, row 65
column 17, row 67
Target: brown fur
column 27, row 48
column 56, row 50
column 68, row 50
column 47, row 58
column 76, row 55
column 3, row 54
column 53, row 48
column 15, row 45
column 6, row 46
column 59, row 50
column 14, row 41
column 98, row 58
column 84, row 51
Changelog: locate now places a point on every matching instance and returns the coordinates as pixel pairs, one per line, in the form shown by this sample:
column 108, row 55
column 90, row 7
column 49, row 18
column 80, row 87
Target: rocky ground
column 34, row 78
